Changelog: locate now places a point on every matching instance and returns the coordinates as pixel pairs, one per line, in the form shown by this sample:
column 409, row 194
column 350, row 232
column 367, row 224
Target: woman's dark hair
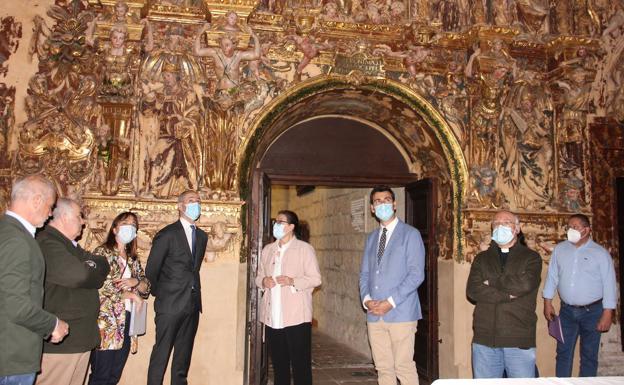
column 111, row 241
column 292, row 219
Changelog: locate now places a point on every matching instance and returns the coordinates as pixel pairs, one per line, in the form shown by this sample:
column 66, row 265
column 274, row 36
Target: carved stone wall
column 133, row 102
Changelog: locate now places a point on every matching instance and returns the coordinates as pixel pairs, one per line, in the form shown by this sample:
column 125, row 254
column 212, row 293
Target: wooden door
column 420, row 213
column 259, row 222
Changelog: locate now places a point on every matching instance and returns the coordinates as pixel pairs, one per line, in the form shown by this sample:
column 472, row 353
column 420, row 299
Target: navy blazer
column 171, row 271
column 401, row 271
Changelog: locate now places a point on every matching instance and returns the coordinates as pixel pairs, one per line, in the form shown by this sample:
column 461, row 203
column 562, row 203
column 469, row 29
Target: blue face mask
column 192, row 210
column 502, row 235
column 126, row 234
column 384, row 211
column 278, row 231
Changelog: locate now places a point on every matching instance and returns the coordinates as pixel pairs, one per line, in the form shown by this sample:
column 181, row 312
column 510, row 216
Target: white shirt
column 126, row 273
column 389, row 230
column 31, row 229
column 186, row 225
column 276, row 292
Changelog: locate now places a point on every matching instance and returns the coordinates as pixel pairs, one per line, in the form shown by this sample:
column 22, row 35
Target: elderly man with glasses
column 582, row 272
column 503, row 285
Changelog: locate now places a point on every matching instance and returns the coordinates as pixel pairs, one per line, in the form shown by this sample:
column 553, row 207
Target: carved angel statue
column 310, row 48
column 227, row 58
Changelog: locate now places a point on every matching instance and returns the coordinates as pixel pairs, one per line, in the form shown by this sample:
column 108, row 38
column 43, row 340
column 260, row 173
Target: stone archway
column 411, row 124
column 395, row 105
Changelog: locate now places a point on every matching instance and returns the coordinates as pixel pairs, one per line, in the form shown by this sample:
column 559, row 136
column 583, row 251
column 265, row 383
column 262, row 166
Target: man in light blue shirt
column 582, row 272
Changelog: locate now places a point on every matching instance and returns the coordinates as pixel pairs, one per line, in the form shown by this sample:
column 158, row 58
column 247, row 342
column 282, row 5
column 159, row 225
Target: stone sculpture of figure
column 228, row 23
column 174, row 50
column 109, row 160
column 533, row 15
column 485, row 114
column 504, row 12
column 176, row 160
column 576, row 98
column 413, row 57
column 452, row 99
column 117, row 62
column 331, row 12
column 526, row 144
column 227, row 58
column 484, row 193
column 570, row 197
column 310, row 48
column 218, row 240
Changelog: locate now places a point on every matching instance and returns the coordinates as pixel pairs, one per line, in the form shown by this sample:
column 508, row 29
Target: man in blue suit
column 393, row 266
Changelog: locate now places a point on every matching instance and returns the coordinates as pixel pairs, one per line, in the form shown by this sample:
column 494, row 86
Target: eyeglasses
column 282, row 222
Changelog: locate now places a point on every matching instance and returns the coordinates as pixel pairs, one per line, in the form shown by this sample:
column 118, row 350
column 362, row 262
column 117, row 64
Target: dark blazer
column 170, row 269
column 73, row 277
column 23, row 322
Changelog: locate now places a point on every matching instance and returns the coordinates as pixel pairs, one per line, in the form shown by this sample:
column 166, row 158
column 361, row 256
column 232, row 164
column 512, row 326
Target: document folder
column 554, row 329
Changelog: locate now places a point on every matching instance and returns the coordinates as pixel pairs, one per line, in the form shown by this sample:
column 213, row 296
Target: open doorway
column 336, row 221
column 329, row 165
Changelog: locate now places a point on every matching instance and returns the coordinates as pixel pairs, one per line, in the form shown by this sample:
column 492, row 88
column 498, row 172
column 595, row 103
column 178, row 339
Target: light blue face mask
column 502, row 235
column 384, row 211
column 126, row 234
column 278, row 231
column 193, row 210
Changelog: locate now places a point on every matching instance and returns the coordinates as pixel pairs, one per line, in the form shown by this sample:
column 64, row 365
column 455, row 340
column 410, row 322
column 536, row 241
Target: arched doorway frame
column 261, row 129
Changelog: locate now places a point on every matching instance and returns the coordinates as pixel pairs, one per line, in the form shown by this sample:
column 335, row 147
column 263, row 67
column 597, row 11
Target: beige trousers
column 63, row 369
column 392, row 344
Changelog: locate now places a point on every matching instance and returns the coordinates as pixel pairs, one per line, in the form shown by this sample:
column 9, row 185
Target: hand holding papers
column 554, row 329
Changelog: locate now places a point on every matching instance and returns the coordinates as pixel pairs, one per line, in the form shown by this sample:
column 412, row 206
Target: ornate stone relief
column 137, row 101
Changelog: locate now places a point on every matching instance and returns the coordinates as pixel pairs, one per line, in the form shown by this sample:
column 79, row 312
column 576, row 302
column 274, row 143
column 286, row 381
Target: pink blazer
column 299, row 262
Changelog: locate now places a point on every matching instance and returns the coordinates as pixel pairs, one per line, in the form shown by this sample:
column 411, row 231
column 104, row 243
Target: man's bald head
column 32, row 198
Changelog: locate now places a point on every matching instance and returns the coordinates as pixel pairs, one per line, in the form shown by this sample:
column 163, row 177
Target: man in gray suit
column 393, row 266
column 23, row 322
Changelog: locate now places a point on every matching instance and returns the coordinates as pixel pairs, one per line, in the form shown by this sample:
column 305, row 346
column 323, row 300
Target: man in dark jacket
column 73, row 277
column 503, row 284
column 173, row 270
column 23, row 322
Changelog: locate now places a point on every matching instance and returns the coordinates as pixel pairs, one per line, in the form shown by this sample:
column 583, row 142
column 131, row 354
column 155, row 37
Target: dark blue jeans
column 107, row 365
column 18, row 379
column 577, row 321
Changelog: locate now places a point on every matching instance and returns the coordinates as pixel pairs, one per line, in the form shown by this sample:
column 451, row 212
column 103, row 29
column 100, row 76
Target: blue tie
column 193, row 241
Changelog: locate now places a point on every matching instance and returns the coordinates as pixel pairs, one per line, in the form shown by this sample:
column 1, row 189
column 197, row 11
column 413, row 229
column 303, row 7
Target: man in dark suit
column 23, row 322
column 393, row 266
column 73, row 277
column 173, row 269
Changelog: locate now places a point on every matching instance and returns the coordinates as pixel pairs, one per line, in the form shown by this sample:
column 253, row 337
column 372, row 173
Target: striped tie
column 382, row 245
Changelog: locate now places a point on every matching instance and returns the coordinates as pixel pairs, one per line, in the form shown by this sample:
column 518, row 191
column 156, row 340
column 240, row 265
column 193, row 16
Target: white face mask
column 574, row 235
column 126, row 234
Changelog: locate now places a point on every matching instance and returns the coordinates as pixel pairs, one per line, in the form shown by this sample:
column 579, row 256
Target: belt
column 584, row 306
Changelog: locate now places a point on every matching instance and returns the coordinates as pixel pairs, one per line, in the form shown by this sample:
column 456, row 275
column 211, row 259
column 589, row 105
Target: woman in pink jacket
column 287, row 274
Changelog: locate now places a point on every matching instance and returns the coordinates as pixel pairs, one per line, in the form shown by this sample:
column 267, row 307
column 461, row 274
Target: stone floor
column 335, row 363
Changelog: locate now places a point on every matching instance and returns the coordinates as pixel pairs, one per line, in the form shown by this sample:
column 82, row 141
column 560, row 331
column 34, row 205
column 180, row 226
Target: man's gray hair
column 64, row 206
column 27, row 186
column 184, row 194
